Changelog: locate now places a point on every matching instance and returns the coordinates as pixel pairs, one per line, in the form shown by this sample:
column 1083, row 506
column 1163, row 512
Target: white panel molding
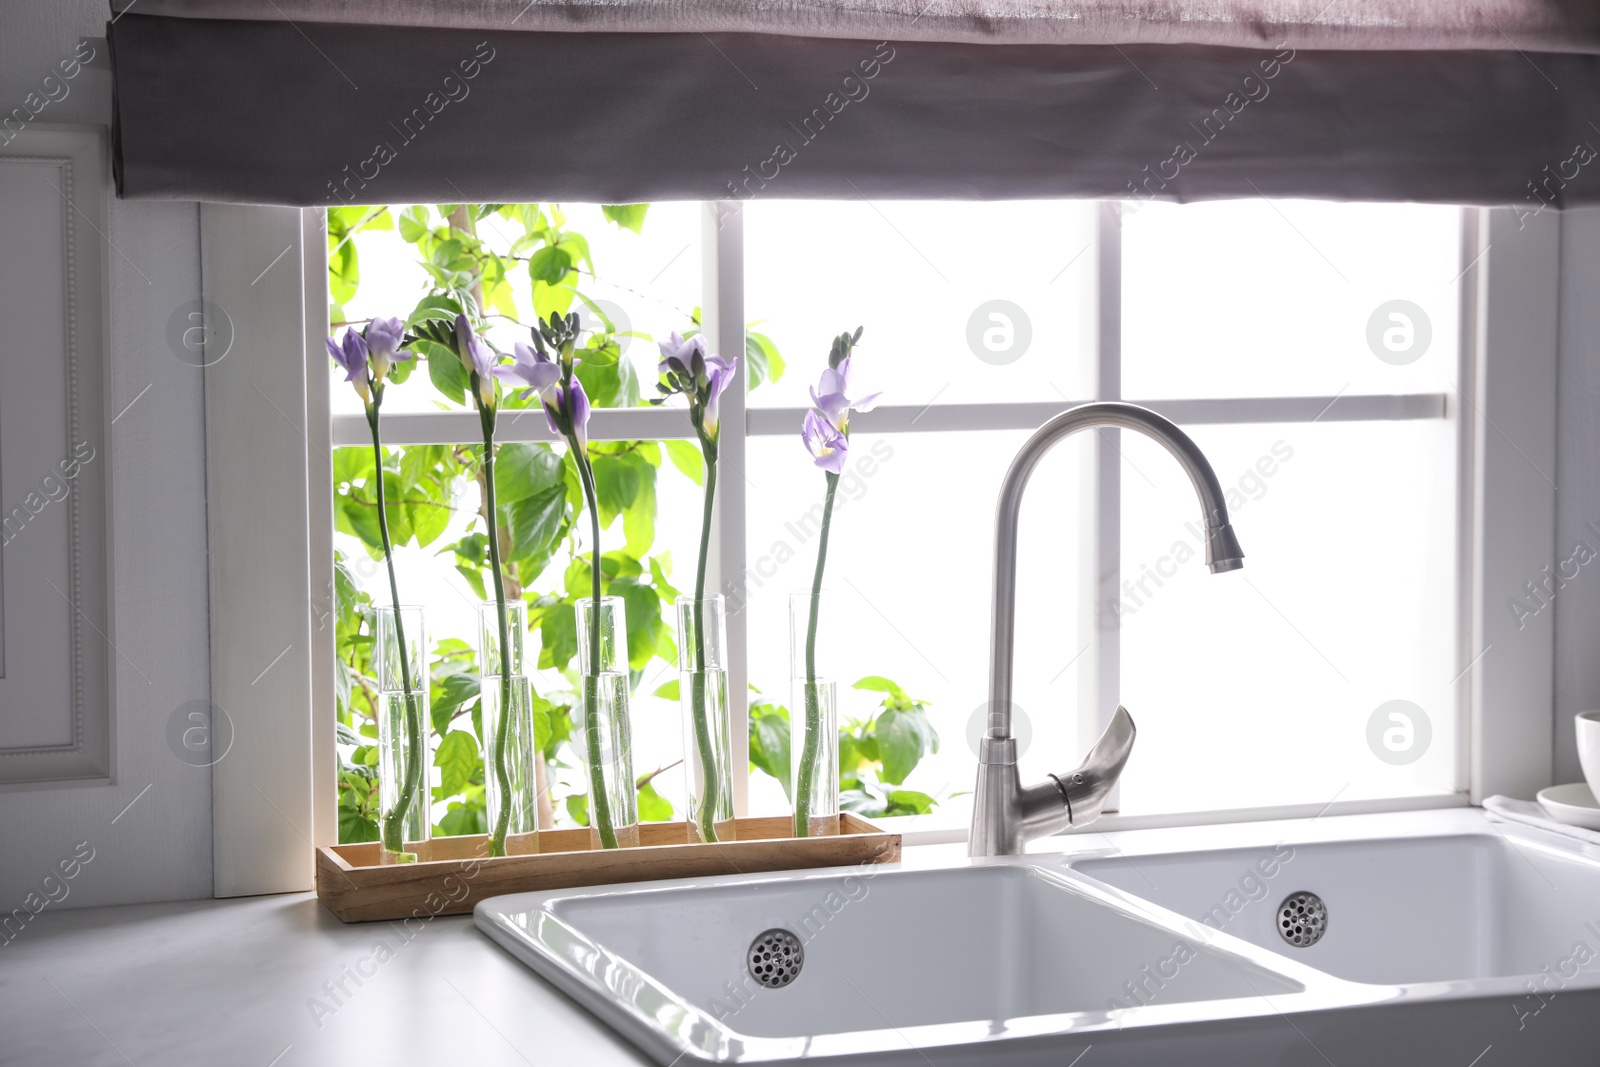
column 1511, row 314
column 72, row 162
column 253, row 264
column 319, row 510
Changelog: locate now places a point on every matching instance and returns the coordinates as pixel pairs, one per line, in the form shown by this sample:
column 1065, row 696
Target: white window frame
column 270, row 428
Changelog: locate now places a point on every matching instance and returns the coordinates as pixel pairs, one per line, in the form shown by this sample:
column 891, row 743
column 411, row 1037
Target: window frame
column 1504, row 417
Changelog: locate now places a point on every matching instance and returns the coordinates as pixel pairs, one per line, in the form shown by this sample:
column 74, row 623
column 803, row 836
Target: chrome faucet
column 1005, row 816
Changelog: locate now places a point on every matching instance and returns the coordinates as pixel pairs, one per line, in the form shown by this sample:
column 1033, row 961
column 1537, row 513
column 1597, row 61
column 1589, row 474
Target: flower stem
column 598, row 800
column 502, row 773
column 711, row 780
column 394, row 821
column 813, row 709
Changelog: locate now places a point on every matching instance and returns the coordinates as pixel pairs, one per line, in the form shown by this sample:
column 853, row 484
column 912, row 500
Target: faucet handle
column 1085, row 790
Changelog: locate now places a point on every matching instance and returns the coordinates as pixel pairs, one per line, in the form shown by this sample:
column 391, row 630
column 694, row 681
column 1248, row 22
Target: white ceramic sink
column 1441, row 929
column 1400, row 911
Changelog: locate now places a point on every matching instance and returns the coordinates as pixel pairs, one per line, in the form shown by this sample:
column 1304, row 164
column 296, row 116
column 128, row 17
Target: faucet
column 1005, row 816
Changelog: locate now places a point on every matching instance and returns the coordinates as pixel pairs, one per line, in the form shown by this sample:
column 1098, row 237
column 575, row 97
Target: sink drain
column 775, row 958
column 1302, row 919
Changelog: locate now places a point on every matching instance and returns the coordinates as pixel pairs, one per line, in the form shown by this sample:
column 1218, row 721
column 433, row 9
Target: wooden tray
column 357, row 888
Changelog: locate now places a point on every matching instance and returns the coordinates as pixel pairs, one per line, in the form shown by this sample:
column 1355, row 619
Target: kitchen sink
column 1466, row 905
column 888, row 959
column 1444, row 939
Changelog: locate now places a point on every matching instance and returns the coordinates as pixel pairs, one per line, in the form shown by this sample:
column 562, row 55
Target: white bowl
column 1587, row 729
column 1572, row 804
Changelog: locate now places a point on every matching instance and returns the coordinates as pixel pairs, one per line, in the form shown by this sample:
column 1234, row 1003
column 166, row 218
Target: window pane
column 962, row 302
column 646, row 282
column 1288, row 298
column 909, row 569
column 1260, row 686
column 434, row 549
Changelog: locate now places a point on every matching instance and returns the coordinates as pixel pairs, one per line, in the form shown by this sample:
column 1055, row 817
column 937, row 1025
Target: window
column 1311, row 349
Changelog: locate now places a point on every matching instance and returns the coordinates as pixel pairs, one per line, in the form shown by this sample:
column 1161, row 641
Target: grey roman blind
column 319, row 102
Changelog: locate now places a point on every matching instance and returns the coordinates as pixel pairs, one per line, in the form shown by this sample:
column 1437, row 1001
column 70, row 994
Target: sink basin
column 1448, row 938
column 980, row 952
column 1399, row 911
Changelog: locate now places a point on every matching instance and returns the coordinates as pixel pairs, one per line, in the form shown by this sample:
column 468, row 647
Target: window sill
column 950, row 826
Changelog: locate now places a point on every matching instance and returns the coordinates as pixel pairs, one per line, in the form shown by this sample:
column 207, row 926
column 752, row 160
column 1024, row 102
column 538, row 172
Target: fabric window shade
column 1366, row 25
column 401, row 101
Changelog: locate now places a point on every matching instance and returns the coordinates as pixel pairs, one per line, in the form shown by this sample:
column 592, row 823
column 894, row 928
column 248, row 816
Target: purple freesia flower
column 564, row 403
column 834, row 395
column 383, row 337
column 351, row 356
column 687, row 368
column 679, row 354
column 719, row 374
column 531, row 368
column 824, row 441
column 477, row 357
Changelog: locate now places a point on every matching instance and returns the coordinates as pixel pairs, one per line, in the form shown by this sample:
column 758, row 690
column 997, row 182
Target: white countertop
column 254, row 981
column 218, row 983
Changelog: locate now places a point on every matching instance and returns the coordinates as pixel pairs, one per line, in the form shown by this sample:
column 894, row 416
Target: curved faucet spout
column 1005, row 815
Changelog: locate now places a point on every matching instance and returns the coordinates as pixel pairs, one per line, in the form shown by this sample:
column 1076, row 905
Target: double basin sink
column 1420, row 938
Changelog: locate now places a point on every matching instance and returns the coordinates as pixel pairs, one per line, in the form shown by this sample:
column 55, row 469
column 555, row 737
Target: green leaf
column 762, row 362
column 878, row 684
column 862, row 803
column 474, row 579
column 578, row 808
column 612, row 384
column 414, row 224
column 550, row 265
column 354, row 827
column 617, row 480
column 556, row 728
column 356, row 513
column 653, row 807
column 456, row 758
column 769, row 742
column 687, row 458
column 428, row 519
column 660, row 565
column 643, row 607
column 344, row 270
column 463, row 819
column 858, row 752
column 667, row 690
column 606, row 321
column 452, row 693
column 523, row 470
column 558, row 632
column 401, row 370
column 576, row 245
column 555, row 298
column 535, row 523
column 910, row 802
column 904, row 737
column 394, row 508
column 626, row 216
column 435, row 307
column 444, row 369
column 639, row 521
column 616, row 564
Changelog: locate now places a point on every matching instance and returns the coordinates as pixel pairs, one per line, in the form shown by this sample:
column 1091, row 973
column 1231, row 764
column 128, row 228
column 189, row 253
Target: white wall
column 160, row 848
column 1577, row 668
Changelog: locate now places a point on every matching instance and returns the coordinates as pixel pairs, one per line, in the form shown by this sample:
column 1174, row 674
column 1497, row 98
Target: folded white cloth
column 1530, row 813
